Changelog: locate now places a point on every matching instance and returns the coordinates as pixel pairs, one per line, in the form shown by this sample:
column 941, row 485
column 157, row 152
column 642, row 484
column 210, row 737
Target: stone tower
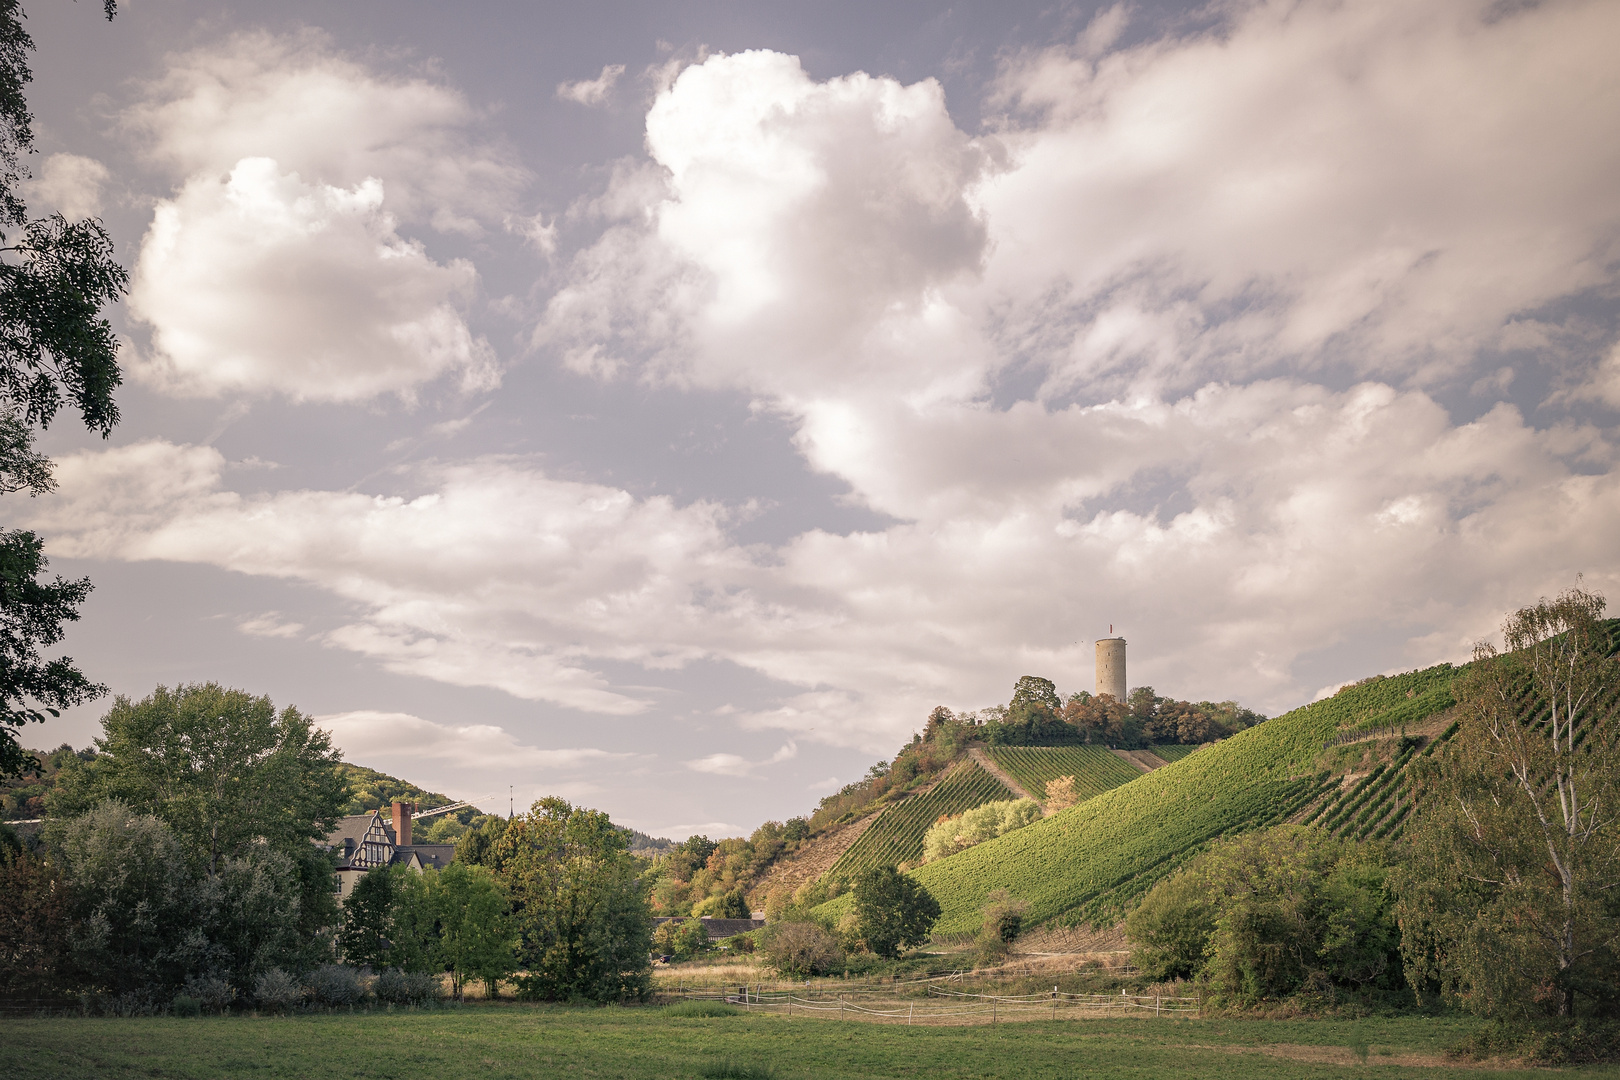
column 1111, row 668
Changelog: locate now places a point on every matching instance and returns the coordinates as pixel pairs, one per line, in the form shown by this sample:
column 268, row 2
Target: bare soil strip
column 989, row 766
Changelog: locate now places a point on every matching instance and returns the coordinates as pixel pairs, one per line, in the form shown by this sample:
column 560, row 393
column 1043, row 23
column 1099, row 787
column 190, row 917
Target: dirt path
column 1142, row 759
column 978, row 754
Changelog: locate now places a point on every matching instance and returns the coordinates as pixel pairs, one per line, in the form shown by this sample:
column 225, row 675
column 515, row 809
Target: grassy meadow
column 493, row 1041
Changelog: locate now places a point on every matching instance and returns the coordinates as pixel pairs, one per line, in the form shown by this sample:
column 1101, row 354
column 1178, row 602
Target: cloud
column 331, row 118
column 367, row 735
column 68, row 184
column 285, row 263
column 735, row 765
column 270, row 624
column 1379, row 185
column 793, row 232
column 591, row 91
column 496, row 575
column 260, row 282
column 1167, row 347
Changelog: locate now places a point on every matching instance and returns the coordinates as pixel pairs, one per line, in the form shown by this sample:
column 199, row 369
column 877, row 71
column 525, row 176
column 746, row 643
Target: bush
column 1549, row 1041
column 978, row 825
column 336, row 986
column 681, row 938
column 800, row 949
column 187, row 1007
column 212, row 994
column 276, row 991
column 395, row 987
column 1286, row 912
column 1003, row 922
column 739, row 943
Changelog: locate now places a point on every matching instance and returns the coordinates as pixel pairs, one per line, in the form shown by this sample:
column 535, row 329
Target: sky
column 666, row 405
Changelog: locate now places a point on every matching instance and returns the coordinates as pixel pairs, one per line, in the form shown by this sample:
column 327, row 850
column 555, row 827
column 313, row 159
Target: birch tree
column 1511, row 900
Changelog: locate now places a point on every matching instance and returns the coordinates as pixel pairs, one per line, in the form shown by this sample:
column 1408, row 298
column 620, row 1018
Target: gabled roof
column 353, row 829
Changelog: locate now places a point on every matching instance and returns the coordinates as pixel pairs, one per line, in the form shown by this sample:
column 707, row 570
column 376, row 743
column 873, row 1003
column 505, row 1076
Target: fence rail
column 941, row 1004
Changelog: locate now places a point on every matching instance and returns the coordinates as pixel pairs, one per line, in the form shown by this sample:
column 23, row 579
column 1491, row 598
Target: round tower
column 1111, row 668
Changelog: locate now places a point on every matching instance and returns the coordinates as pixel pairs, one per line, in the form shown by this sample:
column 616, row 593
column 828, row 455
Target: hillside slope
column 1084, row 864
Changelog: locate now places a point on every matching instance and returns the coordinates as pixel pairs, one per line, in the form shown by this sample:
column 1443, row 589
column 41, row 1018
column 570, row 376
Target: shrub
column 1272, row 914
column 395, row 987
column 336, row 986
column 978, row 825
column 186, row 1006
column 1003, row 921
column 681, row 938
column 799, row 949
column 276, row 991
column 739, row 943
column 213, row 994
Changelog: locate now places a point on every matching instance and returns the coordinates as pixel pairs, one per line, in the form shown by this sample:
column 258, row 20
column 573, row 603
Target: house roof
column 351, row 831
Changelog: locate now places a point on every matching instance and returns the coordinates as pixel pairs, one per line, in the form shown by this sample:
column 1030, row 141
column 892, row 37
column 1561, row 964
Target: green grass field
column 493, row 1043
column 897, row 835
column 1095, row 769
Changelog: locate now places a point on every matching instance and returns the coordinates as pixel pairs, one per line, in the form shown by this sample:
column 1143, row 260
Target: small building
column 364, row 842
column 719, row 928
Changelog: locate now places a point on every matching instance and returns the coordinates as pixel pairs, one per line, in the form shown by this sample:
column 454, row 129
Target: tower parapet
column 1111, row 668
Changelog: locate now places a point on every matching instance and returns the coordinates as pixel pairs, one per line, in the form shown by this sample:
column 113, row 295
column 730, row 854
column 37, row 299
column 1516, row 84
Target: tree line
column 187, row 858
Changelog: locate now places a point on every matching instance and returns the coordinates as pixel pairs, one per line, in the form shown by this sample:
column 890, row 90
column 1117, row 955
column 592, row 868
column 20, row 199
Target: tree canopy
column 56, row 348
column 1511, row 892
column 580, row 905
column 221, row 767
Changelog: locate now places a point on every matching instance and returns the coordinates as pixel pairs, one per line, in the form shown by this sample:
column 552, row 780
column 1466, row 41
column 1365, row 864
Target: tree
column 581, row 907
column 476, row 932
column 133, row 900
column 364, row 939
column 227, row 772
column 892, row 910
column 1510, row 902
column 250, row 920
column 55, row 278
column 32, row 613
column 34, row 927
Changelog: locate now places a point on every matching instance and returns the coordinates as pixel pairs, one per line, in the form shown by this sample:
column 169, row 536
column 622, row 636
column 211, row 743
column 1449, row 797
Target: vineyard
column 1095, row 769
column 1377, row 805
column 897, row 835
column 1088, row 863
column 1171, row 751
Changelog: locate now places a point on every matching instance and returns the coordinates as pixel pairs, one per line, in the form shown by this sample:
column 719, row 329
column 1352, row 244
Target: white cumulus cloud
column 261, row 282
column 285, row 262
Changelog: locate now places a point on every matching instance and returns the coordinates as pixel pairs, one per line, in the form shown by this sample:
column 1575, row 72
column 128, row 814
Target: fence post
column 910, row 1012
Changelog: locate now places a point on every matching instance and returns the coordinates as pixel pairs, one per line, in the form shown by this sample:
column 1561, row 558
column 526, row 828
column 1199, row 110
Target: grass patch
column 731, row 1070
column 701, row 1009
column 494, row 1042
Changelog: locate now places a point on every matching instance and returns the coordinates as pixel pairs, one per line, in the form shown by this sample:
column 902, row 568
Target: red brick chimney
column 402, row 823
